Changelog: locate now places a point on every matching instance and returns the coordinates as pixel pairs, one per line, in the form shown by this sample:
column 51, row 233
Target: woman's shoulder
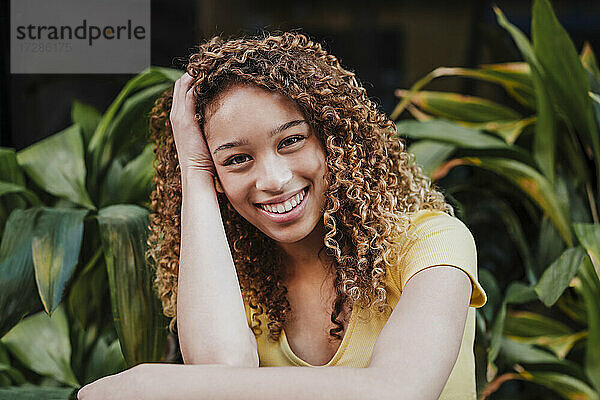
column 426, row 223
column 421, row 216
column 437, row 238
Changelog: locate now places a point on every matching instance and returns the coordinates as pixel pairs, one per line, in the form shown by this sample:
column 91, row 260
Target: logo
column 80, row 36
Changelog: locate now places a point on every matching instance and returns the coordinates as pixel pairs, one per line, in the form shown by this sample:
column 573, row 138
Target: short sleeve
column 436, row 238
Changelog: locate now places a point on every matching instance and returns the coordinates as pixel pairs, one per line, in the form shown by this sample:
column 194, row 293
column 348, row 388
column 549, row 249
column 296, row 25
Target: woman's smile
column 286, row 211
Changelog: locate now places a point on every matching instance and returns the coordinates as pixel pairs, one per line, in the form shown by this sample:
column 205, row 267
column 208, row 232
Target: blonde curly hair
column 374, row 185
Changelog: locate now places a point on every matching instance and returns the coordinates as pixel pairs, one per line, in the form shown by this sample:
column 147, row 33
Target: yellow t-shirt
column 441, row 240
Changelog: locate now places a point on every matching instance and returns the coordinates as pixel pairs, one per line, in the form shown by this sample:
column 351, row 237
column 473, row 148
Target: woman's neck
column 303, row 262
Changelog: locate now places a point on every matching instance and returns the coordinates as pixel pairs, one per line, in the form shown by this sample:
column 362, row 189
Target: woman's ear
column 218, row 185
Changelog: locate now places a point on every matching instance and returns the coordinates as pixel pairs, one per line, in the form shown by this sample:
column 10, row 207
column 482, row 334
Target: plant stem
column 496, row 383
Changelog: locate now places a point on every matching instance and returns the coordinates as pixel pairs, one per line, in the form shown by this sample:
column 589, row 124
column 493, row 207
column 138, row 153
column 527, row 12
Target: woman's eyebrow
column 285, row 126
column 243, row 142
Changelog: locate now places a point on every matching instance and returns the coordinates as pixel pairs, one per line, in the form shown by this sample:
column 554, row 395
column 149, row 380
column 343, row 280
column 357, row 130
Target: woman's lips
column 289, row 215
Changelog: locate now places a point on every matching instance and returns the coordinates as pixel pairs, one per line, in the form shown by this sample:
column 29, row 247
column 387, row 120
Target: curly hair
column 374, row 184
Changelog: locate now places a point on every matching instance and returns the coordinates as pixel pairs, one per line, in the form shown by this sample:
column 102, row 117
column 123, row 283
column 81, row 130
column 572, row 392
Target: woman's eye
column 236, row 160
column 291, row 140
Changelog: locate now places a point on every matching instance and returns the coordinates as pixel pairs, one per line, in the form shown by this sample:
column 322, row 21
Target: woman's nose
column 273, row 176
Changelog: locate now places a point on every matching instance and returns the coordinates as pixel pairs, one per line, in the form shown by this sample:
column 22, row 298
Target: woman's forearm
column 211, row 321
column 218, row 382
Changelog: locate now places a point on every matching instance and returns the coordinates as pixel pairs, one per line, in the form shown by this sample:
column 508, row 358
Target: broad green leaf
column 533, row 184
column 131, row 183
column 136, row 181
column 453, row 134
column 88, row 292
column 558, row 275
column 529, row 324
column 567, row 386
column 559, row 345
column 137, row 311
column 57, row 165
column 517, row 352
column 545, row 137
column 520, row 40
column 590, row 290
column 507, row 130
column 516, row 293
column 131, row 124
column 519, row 293
column 12, row 375
column 576, row 159
column 550, row 245
column 42, row 344
column 55, row 246
column 37, row 393
column 83, row 341
column 578, row 201
column 544, row 143
column 589, row 237
column 460, row 107
column 87, row 117
column 18, row 291
column 564, row 75
column 522, row 353
column 4, row 358
column 531, row 328
column 8, row 187
column 430, row 154
column 109, row 189
column 100, row 148
column 105, row 360
column 10, row 172
column 513, row 77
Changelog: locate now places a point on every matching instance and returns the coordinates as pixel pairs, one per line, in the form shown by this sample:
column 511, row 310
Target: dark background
column 388, row 44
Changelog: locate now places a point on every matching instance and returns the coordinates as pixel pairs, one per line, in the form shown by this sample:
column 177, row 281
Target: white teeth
column 286, row 206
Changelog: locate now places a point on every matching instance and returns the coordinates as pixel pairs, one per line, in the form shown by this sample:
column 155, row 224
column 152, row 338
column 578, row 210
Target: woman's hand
column 121, row 386
column 192, row 149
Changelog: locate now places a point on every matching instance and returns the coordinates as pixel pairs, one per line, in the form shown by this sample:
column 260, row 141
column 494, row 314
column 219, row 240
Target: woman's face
column 270, row 164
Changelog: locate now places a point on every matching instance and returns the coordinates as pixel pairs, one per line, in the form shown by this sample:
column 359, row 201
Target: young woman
column 291, row 228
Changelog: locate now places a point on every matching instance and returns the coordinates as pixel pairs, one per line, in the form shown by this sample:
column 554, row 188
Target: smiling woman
column 273, row 157
column 284, row 201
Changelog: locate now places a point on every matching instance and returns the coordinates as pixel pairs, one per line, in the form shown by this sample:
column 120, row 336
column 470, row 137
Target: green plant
column 537, row 170
column 73, row 224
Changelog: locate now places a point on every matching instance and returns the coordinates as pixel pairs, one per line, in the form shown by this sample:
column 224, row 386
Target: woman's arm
column 211, row 322
column 412, row 359
column 421, row 340
column 220, row 382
